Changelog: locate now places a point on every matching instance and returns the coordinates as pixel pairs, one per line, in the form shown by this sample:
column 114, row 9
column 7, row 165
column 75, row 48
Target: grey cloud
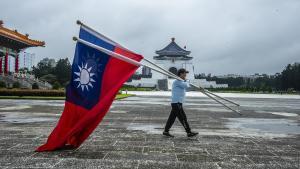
column 233, row 36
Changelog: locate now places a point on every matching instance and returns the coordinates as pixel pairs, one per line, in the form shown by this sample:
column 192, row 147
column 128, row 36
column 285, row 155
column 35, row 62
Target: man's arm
column 183, row 84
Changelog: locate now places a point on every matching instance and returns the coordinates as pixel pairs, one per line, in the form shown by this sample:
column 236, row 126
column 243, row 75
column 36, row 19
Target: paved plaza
column 267, row 135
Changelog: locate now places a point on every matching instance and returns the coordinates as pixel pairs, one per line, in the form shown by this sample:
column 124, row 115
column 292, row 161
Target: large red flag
column 96, row 79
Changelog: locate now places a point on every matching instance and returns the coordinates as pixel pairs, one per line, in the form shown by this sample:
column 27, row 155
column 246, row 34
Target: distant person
column 178, row 95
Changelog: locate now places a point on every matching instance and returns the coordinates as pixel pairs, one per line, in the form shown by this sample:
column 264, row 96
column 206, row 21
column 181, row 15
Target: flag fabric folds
column 95, row 81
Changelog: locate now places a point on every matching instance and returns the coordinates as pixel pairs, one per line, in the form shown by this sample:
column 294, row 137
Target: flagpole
column 108, row 52
column 99, row 34
column 199, row 87
column 108, row 39
column 128, row 60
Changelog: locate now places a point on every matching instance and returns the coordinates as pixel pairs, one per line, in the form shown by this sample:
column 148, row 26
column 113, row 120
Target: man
column 178, row 94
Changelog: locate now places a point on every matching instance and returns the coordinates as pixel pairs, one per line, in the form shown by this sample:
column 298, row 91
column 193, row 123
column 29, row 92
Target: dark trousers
column 177, row 111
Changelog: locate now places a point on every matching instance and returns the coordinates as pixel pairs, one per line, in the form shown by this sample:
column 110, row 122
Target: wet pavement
column 267, row 135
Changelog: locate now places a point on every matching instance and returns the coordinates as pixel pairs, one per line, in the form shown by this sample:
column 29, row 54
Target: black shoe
column 165, row 133
column 192, row 134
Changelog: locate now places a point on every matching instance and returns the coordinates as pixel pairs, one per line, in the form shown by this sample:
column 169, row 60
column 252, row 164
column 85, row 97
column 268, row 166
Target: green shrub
column 28, row 92
column 2, row 84
column 56, row 86
column 35, row 86
column 50, row 78
column 16, row 85
column 132, row 88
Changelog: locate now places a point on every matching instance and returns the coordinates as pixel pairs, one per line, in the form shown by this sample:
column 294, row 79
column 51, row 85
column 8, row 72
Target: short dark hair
column 182, row 70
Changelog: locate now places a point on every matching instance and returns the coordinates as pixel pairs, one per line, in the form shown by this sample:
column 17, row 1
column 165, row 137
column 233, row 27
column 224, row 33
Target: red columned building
column 11, row 43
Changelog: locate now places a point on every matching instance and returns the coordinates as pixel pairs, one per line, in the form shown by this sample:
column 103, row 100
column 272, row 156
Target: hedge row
column 18, row 92
column 132, row 88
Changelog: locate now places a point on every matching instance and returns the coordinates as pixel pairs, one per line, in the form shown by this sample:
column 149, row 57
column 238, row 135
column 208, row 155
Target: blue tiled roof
column 173, row 50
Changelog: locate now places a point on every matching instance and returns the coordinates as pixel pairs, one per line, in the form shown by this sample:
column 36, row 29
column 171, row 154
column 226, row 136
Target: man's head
column 182, row 73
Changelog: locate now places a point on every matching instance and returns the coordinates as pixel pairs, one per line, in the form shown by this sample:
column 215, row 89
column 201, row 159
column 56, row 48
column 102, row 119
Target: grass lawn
column 119, row 96
column 122, row 96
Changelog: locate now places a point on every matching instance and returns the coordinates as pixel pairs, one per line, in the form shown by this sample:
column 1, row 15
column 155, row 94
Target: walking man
column 178, row 95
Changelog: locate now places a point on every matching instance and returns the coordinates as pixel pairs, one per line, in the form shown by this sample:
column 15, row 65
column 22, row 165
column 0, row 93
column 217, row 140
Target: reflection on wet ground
column 266, row 135
column 260, row 125
column 286, row 107
column 11, row 111
column 20, row 117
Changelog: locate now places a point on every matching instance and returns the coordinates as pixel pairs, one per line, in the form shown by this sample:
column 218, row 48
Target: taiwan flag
column 95, row 81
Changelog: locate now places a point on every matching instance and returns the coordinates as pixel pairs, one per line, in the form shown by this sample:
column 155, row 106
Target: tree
column 16, row 85
column 50, row 78
column 63, row 71
column 35, row 86
column 44, row 67
column 56, row 86
column 2, row 84
column 51, row 71
column 290, row 77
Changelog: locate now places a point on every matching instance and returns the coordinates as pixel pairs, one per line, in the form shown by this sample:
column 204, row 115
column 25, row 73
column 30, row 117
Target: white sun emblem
column 84, row 77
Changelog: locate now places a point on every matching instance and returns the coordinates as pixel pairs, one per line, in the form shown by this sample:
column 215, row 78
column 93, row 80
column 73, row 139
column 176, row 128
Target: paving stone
column 95, row 163
column 114, row 145
column 37, row 163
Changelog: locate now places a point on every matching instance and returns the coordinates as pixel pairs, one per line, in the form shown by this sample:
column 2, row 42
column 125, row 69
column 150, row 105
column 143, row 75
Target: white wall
column 167, row 64
column 156, row 75
column 144, row 82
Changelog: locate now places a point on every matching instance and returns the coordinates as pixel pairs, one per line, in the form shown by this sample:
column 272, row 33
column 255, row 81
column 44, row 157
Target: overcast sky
column 232, row 36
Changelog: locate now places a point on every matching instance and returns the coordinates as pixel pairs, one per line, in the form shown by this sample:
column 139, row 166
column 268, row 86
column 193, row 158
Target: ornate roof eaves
column 15, row 35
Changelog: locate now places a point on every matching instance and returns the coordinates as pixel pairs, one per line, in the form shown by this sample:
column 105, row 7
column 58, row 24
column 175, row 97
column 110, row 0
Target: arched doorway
column 173, row 70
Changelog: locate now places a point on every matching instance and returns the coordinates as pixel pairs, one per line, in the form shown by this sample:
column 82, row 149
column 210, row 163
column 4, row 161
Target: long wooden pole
column 86, row 27
column 128, row 60
column 198, row 87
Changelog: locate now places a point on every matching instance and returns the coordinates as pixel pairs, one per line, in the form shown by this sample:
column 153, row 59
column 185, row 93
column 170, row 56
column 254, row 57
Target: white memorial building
column 172, row 58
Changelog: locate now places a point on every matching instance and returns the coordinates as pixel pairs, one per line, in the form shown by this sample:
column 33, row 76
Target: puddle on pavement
column 238, row 127
column 148, row 128
column 12, row 117
column 211, row 109
column 118, row 111
column 285, row 114
column 23, row 104
column 15, row 107
column 260, row 125
column 155, row 128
